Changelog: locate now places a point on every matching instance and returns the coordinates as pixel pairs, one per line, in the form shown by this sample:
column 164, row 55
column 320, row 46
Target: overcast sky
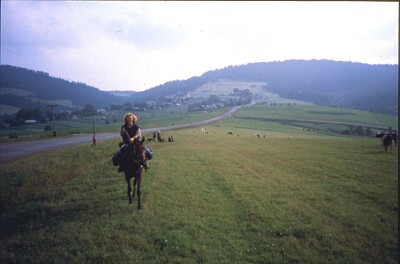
column 138, row 45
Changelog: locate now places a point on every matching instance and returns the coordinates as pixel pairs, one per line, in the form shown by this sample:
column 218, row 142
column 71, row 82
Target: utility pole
column 93, row 125
column 54, row 127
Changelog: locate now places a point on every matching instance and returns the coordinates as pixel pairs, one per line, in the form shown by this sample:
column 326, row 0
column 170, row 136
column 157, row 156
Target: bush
column 346, row 132
column 12, row 136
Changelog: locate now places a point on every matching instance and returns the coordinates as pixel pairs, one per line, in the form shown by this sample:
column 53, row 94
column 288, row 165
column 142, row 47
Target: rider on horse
column 130, row 132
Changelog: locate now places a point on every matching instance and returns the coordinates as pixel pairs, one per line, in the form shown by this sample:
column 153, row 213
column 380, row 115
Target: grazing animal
column 387, row 140
column 149, row 139
column 132, row 165
column 230, row 133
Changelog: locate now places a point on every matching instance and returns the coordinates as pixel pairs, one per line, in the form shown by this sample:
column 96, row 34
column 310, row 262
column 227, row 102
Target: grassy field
column 314, row 119
column 111, row 123
column 224, row 89
column 291, row 197
column 8, row 109
column 300, row 116
column 318, row 113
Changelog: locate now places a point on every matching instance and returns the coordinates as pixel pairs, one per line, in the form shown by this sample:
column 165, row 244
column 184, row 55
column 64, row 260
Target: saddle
column 127, row 151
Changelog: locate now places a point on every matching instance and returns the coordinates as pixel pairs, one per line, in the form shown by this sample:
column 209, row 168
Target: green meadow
column 110, row 123
column 290, row 112
column 293, row 196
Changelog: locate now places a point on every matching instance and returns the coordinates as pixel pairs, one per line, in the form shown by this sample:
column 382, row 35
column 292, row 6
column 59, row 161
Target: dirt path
column 14, row 150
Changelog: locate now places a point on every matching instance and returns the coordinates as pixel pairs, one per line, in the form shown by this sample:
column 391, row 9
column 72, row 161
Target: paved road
column 14, row 150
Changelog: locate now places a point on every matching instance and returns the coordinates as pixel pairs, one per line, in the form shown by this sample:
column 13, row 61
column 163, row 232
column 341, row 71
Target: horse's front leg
column 134, row 187
column 138, row 180
column 128, row 181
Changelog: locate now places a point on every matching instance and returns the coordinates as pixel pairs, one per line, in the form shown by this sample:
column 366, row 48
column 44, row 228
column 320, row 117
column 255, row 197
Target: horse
column 132, row 164
column 387, row 140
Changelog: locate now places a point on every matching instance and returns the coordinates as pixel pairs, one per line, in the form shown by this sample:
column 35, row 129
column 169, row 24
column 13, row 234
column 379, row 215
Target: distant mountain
column 325, row 82
column 22, row 87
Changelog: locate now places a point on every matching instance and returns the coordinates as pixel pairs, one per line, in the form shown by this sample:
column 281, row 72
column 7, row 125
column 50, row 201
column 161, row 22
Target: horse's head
column 139, row 151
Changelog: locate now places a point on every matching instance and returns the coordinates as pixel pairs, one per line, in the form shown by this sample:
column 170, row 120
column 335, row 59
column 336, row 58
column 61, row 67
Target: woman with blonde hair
column 129, row 130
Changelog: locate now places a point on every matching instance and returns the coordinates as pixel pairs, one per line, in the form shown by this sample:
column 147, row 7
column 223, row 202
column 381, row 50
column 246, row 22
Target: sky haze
column 129, row 45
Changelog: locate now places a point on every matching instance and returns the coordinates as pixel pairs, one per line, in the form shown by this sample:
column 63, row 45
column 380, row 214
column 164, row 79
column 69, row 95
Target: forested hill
column 325, row 82
column 22, row 87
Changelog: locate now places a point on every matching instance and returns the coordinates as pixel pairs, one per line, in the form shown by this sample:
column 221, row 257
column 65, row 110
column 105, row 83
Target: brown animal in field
column 132, row 165
column 230, row 133
column 387, row 140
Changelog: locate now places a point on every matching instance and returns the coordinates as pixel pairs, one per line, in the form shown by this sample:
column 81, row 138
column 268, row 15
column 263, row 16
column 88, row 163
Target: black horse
column 387, row 139
column 132, row 164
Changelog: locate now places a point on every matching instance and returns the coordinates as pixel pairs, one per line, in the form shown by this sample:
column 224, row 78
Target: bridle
column 132, row 144
column 137, row 158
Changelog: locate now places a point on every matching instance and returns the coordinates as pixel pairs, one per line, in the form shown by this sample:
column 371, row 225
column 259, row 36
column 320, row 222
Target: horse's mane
column 134, row 158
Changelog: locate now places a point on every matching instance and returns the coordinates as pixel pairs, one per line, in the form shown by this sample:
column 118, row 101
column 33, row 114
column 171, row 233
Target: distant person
column 93, row 141
column 159, row 136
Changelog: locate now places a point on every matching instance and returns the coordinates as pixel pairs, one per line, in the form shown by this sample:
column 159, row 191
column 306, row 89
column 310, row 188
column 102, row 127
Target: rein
column 134, row 156
column 134, row 150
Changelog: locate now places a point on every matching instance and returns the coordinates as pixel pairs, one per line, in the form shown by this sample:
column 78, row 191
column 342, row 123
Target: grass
column 314, row 119
column 292, row 197
column 14, row 91
column 112, row 123
column 319, row 113
column 8, row 109
column 224, row 89
column 300, row 116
